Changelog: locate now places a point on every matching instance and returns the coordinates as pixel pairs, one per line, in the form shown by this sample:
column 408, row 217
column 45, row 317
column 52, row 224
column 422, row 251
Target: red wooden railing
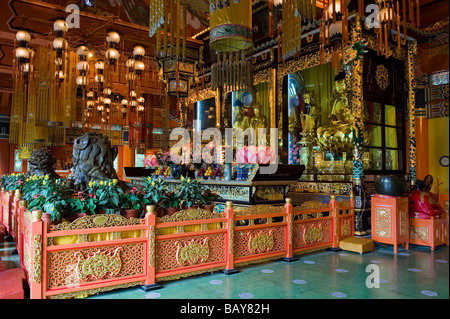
column 104, row 252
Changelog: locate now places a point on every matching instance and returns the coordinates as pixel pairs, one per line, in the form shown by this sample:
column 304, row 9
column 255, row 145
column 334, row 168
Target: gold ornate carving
column 231, row 236
column 382, row 77
column 261, row 242
column 383, row 222
column 419, row 232
column 97, row 221
column 258, row 209
column 37, row 258
column 98, row 265
column 311, row 205
column 151, row 247
column 190, row 214
column 97, row 290
column 403, row 223
column 345, row 230
column 192, row 252
column 313, row 235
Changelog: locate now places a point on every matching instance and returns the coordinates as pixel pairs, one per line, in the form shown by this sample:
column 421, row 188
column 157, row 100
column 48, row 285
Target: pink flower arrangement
column 255, row 155
column 150, row 161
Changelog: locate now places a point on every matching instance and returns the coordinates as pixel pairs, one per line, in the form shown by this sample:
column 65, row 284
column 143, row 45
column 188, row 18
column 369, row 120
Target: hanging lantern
column 23, row 37
column 232, row 41
column 60, row 26
column 83, row 52
column 112, row 55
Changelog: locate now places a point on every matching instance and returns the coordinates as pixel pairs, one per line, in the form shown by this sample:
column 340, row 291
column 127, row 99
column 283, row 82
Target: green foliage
column 50, row 196
column 172, row 200
column 155, row 190
column 12, row 181
column 107, row 195
column 190, row 191
column 209, row 197
column 132, row 199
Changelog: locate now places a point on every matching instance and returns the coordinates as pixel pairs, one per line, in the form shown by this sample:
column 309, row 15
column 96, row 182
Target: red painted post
column 289, row 211
column 334, row 207
column 1, row 205
column 229, row 243
column 36, row 257
column 353, row 205
column 150, row 221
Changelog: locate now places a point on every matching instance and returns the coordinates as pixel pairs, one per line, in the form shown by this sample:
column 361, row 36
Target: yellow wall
column 438, row 138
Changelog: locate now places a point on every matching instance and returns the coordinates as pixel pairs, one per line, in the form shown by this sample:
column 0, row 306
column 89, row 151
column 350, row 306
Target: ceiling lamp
column 60, row 27
column 22, row 51
column 124, row 109
column 112, row 54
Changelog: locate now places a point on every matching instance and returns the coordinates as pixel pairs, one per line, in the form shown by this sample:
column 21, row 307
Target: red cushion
column 12, row 289
column 17, row 273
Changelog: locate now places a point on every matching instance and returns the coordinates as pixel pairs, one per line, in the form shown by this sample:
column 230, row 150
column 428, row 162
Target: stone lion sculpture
column 93, row 160
column 41, row 163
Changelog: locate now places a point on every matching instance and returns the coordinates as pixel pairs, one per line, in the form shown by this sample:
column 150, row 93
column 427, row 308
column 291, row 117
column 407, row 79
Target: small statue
column 310, row 114
column 41, row 163
column 259, row 120
column 239, row 120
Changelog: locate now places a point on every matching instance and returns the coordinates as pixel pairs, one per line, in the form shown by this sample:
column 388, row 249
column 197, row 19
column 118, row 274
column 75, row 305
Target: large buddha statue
column 339, row 136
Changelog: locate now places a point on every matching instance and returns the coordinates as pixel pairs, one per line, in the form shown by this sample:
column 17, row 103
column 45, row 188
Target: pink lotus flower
column 255, row 155
column 150, row 161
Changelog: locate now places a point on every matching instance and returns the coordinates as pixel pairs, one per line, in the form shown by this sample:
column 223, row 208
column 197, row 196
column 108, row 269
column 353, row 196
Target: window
column 385, row 141
column 139, row 159
column 18, row 163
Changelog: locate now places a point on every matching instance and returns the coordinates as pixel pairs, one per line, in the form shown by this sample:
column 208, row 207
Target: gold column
column 410, row 70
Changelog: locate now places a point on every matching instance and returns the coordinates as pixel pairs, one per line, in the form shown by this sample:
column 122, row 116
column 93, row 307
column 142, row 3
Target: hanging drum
column 231, row 25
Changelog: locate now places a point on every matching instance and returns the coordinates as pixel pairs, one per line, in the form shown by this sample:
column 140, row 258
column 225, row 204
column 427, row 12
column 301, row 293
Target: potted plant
column 83, row 204
column 155, row 190
column 208, row 199
column 171, row 203
column 107, row 194
column 53, row 198
column 190, row 192
column 131, row 203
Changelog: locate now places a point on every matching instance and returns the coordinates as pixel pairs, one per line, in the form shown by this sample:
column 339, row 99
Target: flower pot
column 193, row 207
column 100, row 211
column 76, row 216
column 130, row 213
column 48, row 218
column 209, row 207
column 171, row 210
column 159, row 211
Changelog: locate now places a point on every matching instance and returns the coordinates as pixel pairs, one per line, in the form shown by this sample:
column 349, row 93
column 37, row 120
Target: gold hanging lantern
column 232, row 40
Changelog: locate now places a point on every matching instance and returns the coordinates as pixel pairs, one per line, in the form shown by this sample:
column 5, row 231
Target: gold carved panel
column 383, row 222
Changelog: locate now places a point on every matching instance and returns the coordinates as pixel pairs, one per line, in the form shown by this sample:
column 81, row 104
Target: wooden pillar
column 422, row 147
column 229, row 244
column 36, row 260
column 150, row 220
column 334, row 209
column 289, row 211
column 410, row 78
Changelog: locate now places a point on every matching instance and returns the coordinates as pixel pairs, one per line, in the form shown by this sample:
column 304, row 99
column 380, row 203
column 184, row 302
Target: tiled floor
column 414, row 274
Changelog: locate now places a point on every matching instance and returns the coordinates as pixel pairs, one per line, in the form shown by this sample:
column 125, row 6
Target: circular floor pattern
column 441, row 261
column 299, row 282
column 216, row 282
column 342, row 270
column 153, row 295
column 429, row 293
column 381, row 281
column 404, row 254
column 267, row 271
column 376, row 262
column 344, row 254
column 246, row 295
column 309, row 262
column 414, row 269
column 338, row 294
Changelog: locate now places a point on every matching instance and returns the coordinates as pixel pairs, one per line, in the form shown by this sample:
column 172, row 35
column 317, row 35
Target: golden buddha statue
column 240, row 121
column 310, row 114
column 259, row 120
column 339, row 136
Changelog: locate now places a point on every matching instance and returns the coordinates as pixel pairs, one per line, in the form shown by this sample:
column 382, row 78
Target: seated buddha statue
column 339, row 136
column 259, row 120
